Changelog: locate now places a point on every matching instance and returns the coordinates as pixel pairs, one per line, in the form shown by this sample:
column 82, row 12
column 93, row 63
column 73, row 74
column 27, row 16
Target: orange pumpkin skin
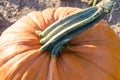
column 95, row 54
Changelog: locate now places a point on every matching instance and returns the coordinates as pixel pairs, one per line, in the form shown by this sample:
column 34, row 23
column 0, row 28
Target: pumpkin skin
column 94, row 55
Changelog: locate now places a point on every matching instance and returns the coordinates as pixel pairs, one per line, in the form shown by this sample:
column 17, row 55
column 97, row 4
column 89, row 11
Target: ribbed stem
column 57, row 41
column 67, row 20
column 69, row 36
column 95, row 2
column 79, row 17
column 55, row 38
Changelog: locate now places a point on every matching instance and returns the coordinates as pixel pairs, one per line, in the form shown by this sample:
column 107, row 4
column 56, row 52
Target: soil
column 12, row 10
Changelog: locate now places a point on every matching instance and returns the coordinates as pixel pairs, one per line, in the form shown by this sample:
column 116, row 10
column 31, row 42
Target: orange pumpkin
column 94, row 55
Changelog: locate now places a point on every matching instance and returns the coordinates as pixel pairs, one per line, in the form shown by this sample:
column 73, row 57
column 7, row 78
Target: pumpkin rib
column 59, row 16
column 89, row 61
column 101, row 44
column 53, row 73
column 61, row 68
column 44, row 65
column 29, row 22
column 20, row 42
column 16, row 66
column 37, row 66
column 14, row 74
column 116, row 56
column 11, row 36
column 64, row 62
column 5, row 59
column 69, row 66
column 39, row 20
column 60, row 12
column 99, row 66
column 48, row 15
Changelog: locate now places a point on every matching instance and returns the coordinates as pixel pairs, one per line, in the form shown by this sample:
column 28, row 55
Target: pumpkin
column 94, row 54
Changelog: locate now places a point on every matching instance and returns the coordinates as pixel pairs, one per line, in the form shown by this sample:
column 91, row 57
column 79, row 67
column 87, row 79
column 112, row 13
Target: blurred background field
column 12, row 10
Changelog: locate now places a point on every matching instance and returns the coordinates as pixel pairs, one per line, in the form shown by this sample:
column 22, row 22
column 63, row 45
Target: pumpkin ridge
column 50, row 12
column 42, row 68
column 5, row 59
column 16, row 65
column 60, row 68
column 35, row 65
column 101, row 58
column 34, row 16
column 70, row 62
column 94, row 63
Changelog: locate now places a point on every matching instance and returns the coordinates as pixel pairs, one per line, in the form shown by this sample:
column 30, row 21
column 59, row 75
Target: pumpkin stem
column 74, row 19
column 68, row 19
column 57, row 47
column 71, row 28
column 59, row 38
column 95, row 2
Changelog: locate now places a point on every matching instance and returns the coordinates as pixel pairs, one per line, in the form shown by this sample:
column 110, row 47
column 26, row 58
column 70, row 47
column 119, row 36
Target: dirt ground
column 12, row 10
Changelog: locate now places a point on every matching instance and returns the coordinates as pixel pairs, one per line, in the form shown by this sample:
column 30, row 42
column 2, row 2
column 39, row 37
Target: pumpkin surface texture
column 93, row 54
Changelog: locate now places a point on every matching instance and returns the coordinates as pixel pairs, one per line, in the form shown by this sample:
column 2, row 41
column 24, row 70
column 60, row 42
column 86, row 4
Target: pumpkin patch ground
column 47, row 45
column 12, row 10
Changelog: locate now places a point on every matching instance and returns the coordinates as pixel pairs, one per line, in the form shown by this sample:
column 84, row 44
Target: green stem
column 94, row 2
column 71, row 28
column 69, row 36
column 78, row 17
column 67, row 20
column 56, row 43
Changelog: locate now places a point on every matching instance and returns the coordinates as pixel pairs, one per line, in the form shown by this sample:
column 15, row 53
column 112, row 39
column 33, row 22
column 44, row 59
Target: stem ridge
column 55, row 37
